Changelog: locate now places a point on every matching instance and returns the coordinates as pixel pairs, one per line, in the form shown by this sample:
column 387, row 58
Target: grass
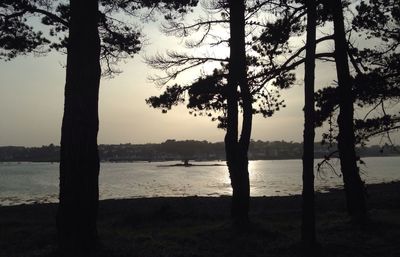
column 200, row 226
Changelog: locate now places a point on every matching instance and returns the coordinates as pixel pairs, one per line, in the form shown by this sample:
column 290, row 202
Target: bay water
column 28, row 183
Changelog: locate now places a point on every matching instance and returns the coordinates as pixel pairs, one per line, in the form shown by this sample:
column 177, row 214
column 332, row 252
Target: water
column 38, row 182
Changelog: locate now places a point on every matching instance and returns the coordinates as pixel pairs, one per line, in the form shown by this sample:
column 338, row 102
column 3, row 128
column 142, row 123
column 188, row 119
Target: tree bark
column 308, row 206
column 79, row 160
column 353, row 185
column 236, row 151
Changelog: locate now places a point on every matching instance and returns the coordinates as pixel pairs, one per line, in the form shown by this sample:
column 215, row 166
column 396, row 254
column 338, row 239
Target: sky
column 31, row 102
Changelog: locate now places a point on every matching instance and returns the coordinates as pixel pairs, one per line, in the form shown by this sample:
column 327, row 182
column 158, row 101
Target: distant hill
column 183, row 150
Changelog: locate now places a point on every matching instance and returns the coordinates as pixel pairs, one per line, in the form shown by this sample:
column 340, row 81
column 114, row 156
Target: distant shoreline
column 192, row 161
column 173, row 150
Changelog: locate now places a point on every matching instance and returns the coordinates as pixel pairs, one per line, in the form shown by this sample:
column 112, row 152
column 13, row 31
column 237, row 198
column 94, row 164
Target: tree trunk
column 353, row 185
column 236, row 151
column 79, row 160
column 308, row 213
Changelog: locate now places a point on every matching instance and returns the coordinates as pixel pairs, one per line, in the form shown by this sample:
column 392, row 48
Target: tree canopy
column 40, row 26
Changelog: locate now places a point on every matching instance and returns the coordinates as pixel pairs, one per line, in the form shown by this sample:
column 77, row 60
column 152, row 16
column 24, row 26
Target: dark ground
column 200, row 227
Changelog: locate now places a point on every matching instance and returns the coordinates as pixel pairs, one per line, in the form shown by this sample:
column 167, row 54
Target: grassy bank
column 199, row 226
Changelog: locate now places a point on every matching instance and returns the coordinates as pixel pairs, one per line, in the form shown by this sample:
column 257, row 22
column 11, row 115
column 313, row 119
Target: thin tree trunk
column 308, row 213
column 236, row 151
column 79, row 160
column 353, row 185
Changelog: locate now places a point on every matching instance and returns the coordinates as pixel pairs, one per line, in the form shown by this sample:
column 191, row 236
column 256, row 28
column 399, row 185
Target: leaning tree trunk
column 236, row 151
column 79, row 163
column 308, row 213
column 353, row 185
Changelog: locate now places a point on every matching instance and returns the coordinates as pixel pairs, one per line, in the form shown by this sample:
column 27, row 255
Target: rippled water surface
column 38, row 182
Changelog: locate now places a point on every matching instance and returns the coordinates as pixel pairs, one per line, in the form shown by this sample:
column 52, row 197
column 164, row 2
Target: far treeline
column 173, row 150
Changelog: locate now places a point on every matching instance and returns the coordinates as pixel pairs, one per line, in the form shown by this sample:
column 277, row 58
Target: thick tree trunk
column 308, row 215
column 79, row 161
column 236, row 151
column 353, row 185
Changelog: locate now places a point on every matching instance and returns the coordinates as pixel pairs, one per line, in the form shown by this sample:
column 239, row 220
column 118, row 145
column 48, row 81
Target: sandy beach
column 200, row 226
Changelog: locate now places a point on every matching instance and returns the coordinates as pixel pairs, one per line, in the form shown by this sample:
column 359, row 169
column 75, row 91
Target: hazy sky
column 31, row 103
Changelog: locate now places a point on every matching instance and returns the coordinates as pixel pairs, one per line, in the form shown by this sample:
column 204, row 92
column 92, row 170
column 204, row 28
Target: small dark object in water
column 187, row 164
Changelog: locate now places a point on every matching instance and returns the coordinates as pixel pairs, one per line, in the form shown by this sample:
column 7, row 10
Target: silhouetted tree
column 376, row 83
column 237, row 148
column 219, row 92
column 262, row 70
column 375, row 86
column 79, row 160
column 308, row 213
column 353, row 185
